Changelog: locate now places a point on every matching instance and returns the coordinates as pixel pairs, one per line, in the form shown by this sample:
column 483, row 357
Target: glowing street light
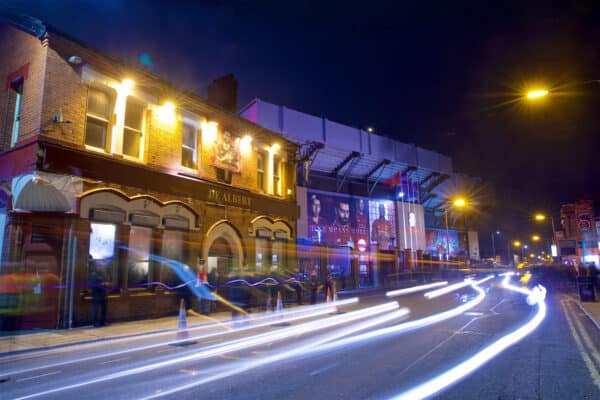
column 517, row 243
column 536, row 94
column 539, row 217
column 535, row 238
column 459, row 202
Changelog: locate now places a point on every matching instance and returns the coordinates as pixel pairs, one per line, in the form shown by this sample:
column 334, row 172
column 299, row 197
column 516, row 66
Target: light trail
column 236, row 345
column 400, row 292
column 461, row 370
column 297, row 351
column 264, row 320
column 440, row 292
column 326, row 344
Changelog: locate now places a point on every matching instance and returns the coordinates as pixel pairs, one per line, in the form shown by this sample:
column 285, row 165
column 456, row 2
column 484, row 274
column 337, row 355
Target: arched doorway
column 221, row 254
column 223, row 251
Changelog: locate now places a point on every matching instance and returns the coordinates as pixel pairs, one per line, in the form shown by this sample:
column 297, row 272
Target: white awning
column 32, row 193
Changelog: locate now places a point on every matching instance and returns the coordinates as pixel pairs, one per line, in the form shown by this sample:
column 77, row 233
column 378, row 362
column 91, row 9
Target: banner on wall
column 226, row 152
column 350, row 221
column 437, row 244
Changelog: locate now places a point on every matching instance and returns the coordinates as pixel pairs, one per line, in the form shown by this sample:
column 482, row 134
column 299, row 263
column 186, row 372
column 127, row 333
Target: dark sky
column 444, row 75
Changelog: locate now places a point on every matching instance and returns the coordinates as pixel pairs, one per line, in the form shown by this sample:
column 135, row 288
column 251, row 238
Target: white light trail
column 259, row 321
column 440, row 292
column 327, row 344
column 461, row 370
column 297, row 351
column 400, row 292
column 236, row 345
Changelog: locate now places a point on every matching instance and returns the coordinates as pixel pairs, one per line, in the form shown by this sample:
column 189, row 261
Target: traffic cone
column 279, row 303
column 328, row 295
column 182, row 332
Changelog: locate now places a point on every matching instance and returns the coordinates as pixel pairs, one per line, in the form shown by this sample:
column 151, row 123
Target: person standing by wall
column 99, row 295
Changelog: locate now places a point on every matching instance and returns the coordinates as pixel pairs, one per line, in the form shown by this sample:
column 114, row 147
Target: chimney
column 222, row 92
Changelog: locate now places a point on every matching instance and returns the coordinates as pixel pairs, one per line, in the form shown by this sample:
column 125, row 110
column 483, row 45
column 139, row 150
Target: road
column 377, row 348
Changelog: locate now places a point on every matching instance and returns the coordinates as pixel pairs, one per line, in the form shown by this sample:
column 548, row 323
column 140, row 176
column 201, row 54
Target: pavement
column 20, row 341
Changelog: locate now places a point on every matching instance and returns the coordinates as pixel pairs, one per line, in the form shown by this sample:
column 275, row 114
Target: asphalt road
column 364, row 352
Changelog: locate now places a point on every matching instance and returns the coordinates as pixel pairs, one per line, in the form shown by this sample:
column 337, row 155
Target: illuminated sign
column 234, row 199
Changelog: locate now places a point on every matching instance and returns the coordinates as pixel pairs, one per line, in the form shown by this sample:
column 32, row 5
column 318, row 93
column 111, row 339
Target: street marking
column 474, row 314
column 37, row 376
column 586, row 339
column 163, row 350
column 586, row 359
column 112, row 361
column 588, row 315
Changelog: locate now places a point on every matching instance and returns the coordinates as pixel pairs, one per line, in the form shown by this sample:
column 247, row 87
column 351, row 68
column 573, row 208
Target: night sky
column 447, row 76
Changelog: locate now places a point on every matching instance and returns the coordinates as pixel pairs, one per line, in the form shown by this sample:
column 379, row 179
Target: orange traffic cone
column 328, row 295
column 182, row 332
column 279, row 308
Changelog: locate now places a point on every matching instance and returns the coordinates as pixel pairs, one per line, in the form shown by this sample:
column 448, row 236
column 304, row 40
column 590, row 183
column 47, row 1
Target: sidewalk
column 591, row 309
column 20, row 341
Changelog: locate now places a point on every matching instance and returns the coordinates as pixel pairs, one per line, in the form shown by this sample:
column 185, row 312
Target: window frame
column 261, row 172
column 277, row 163
column 112, row 94
column 141, row 131
column 17, row 86
column 196, row 149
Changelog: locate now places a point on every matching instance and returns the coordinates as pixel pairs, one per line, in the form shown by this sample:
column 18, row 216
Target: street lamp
column 541, row 218
column 535, row 238
column 459, row 203
column 494, row 243
column 536, row 94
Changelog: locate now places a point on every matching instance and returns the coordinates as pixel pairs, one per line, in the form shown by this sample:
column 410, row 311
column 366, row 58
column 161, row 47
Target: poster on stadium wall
column 383, row 223
column 338, row 220
column 436, row 242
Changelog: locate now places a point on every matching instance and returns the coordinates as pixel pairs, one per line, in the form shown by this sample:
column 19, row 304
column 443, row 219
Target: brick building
column 104, row 164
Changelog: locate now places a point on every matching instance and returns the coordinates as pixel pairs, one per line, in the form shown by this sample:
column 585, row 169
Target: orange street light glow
column 535, row 238
column 460, row 202
column 535, row 94
column 540, row 217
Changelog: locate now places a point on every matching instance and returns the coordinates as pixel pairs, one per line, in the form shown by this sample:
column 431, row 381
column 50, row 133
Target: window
column 260, row 171
column 99, row 112
column 189, row 149
column 17, row 88
column 172, row 249
column 102, row 252
column 277, row 175
column 132, row 132
column 139, row 251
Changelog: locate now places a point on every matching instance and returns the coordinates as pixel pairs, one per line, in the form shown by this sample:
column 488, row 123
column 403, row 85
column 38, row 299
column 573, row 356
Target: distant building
column 579, row 238
column 369, row 205
column 104, row 165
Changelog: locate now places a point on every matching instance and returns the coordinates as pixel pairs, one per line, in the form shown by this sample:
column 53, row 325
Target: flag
column 394, row 180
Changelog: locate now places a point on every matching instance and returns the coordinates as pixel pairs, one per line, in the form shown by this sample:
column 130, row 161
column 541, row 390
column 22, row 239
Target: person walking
column 99, row 296
column 314, row 288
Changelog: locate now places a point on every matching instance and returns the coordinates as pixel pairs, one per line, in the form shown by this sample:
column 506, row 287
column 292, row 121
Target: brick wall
column 19, row 50
column 64, row 93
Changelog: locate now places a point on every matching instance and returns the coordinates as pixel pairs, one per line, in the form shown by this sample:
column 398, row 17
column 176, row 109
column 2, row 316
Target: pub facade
column 104, row 165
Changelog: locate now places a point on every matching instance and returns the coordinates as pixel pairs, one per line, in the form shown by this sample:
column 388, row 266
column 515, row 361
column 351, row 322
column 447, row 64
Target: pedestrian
column 298, row 288
column 183, row 291
column 205, row 292
column 99, row 296
column 314, row 287
column 329, row 285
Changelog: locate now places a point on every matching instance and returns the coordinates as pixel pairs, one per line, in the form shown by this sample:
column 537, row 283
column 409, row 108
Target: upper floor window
column 133, row 127
column 260, row 170
column 17, row 101
column 189, row 146
column 277, row 175
column 99, row 113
